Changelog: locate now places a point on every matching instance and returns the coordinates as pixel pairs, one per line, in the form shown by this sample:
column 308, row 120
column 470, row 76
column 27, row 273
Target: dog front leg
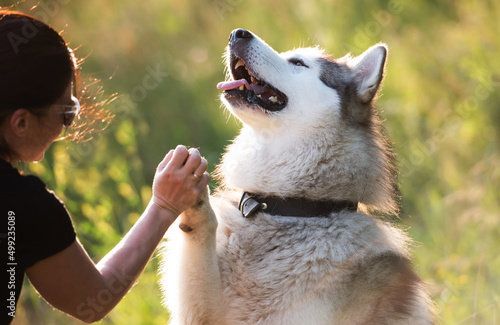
column 200, row 287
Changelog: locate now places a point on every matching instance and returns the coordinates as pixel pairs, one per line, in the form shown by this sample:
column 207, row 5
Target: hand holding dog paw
column 180, row 180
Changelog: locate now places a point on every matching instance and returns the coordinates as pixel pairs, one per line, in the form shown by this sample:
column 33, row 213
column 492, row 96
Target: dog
column 289, row 238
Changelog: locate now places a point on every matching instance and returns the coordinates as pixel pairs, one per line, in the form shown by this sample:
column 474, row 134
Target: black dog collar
column 291, row 207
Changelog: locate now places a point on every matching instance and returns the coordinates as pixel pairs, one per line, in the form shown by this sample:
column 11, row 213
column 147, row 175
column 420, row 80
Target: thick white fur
column 287, row 270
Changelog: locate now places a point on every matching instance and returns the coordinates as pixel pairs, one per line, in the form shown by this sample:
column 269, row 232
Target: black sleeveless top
column 34, row 225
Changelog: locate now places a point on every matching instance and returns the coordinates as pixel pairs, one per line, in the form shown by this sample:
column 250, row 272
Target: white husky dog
column 288, row 239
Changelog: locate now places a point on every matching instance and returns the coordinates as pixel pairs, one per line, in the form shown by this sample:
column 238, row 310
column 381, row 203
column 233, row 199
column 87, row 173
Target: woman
column 40, row 95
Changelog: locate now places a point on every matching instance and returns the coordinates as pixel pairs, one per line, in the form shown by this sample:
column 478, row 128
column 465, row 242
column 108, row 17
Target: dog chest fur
column 289, row 273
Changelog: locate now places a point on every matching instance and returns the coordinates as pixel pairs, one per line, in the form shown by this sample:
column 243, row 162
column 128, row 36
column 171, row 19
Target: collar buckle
column 248, row 205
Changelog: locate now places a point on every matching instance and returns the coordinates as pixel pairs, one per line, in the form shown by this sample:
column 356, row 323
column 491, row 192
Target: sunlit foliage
column 440, row 99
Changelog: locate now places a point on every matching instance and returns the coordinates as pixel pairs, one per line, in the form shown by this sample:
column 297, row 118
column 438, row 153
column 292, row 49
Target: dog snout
column 239, row 35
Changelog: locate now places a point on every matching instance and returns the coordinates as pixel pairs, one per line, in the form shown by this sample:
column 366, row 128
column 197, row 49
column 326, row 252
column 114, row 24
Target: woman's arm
column 71, row 282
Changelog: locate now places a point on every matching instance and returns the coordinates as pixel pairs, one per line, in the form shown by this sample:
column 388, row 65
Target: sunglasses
column 70, row 111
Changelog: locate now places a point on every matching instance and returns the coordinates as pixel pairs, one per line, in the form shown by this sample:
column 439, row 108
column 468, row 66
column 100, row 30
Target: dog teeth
column 241, row 87
column 274, row 99
column 252, row 78
column 239, row 64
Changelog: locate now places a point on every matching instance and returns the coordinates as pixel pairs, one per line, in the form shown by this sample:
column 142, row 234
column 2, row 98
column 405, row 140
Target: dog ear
column 368, row 69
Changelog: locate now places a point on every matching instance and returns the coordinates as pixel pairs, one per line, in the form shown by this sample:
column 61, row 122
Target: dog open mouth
column 256, row 92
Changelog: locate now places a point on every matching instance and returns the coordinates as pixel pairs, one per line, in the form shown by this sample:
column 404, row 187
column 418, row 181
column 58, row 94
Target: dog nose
column 239, row 34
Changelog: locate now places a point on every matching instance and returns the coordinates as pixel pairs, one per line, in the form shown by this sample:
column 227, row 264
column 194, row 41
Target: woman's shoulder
column 19, row 187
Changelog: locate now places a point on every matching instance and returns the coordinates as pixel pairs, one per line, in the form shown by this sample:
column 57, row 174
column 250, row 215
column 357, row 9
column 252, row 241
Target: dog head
column 310, row 126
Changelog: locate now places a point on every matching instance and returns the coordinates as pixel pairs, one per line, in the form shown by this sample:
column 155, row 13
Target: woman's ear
column 20, row 121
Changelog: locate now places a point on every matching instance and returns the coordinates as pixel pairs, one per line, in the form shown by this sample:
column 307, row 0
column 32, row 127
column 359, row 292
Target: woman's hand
column 179, row 180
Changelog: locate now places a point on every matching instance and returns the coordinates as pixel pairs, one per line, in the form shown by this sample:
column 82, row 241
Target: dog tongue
column 228, row 85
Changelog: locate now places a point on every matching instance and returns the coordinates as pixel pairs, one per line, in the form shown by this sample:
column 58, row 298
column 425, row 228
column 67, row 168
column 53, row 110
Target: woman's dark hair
column 36, row 67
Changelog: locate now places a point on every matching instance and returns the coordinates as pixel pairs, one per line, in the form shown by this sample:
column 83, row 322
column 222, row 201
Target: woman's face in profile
column 45, row 129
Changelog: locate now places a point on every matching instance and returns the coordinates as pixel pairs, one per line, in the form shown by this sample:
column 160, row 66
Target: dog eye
column 298, row 62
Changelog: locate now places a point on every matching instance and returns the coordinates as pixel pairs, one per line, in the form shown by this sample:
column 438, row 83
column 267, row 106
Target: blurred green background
column 440, row 100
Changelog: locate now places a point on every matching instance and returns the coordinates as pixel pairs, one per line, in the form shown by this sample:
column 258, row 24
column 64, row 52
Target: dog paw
column 199, row 218
column 203, row 200
column 185, row 227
